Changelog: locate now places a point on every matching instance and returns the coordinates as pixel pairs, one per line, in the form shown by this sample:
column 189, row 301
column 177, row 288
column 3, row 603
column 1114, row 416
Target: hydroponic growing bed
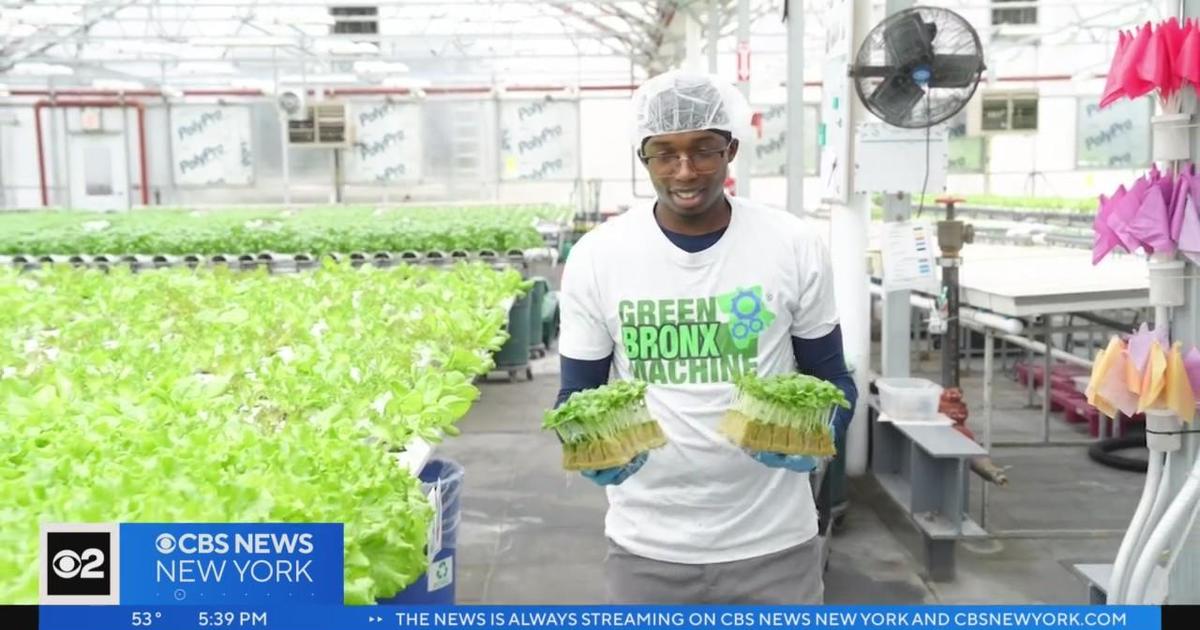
column 212, row 395
column 316, row 231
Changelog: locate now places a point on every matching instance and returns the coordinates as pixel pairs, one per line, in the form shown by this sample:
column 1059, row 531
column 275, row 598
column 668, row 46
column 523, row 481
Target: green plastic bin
column 537, row 294
column 513, row 356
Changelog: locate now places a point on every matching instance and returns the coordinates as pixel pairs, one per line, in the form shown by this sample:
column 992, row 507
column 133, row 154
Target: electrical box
column 891, row 159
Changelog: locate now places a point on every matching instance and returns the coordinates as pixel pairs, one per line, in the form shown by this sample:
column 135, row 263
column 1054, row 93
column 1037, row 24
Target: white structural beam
column 795, row 110
column 897, row 310
column 744, row 167
column 848, row 227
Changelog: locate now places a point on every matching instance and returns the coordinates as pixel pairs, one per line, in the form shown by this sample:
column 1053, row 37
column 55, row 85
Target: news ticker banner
column 181, row 576
column 192, row 564
column 282, row 617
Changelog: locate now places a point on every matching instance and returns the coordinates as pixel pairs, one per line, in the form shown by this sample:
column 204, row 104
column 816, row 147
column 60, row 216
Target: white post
column 714, row 34
column 283, row 131
column 126, row 152
column 896, row 333
column 989, row 348
column 848, row 251
column 848, row 246
column 795, row 107
column 692, row 28
column 897, row 309
column 52, row 154
column 745, row 159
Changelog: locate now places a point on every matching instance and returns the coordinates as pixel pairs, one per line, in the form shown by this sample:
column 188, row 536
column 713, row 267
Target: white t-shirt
column 687, row 324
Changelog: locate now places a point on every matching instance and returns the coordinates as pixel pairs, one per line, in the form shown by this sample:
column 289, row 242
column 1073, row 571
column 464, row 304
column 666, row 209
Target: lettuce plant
column 212, row 395
column 786, row 413
column 604, row 427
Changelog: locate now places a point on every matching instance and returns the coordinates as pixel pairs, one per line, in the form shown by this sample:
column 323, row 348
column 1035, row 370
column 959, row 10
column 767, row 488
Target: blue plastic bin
column 437, row 585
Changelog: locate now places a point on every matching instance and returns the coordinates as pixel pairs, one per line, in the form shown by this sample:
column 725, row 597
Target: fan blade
column 955, row 71
column 894, row 98
column 909, row 40
column 873, row 72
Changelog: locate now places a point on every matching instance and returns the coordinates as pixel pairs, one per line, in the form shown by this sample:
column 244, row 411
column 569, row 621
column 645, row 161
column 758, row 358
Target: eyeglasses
column 704, row 162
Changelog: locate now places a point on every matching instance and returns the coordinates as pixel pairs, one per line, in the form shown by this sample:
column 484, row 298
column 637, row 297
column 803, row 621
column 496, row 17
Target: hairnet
column 680, row 101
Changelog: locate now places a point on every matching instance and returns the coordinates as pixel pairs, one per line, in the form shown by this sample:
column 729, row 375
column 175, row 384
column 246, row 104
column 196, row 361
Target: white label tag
column 441, row 574
column 434, row 537
column 937, row 325
column 908, row 257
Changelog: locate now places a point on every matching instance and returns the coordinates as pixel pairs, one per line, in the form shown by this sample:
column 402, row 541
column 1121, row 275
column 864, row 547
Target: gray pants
column 791, row 576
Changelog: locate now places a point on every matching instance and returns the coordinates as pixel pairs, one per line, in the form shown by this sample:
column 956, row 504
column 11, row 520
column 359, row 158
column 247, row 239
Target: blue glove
column 616, row 476
column 794, row 463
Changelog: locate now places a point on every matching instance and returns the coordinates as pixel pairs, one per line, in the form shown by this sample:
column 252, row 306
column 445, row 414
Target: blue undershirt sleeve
column 578, row 375
column 823, row 358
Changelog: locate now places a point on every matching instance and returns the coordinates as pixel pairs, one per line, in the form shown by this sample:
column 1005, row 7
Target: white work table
column 1019, row 281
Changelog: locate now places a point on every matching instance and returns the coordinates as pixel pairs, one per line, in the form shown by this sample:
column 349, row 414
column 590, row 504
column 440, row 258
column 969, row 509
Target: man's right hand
column 616, row 476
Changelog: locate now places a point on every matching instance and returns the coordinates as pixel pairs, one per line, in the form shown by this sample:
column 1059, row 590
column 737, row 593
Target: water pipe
column 1163, row 434
column 1121, row 566
column 1180, row 509
column 1007, row 328
column 1162, row 499
column 966, row 314
column 1151, row 528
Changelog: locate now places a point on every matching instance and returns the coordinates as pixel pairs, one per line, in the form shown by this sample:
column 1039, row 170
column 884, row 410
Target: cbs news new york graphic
column 144, row 576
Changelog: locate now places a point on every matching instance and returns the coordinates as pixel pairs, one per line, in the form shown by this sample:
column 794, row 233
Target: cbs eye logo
column 68, row 564
column 165, row 543
column 79, row 563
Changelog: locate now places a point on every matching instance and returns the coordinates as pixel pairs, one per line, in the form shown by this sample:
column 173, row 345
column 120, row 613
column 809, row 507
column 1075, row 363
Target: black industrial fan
column 919, row 67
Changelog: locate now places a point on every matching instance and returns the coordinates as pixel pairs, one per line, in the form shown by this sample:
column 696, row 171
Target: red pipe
column 535, row 88
column 222, row 92
column 105, row 103
column 403, row 91
column 606, row 88
column 138, row 93
column 141, row 123
column 85, row 92
column 457, row 90
column 37, row 126
column 348, row 91
column 372, row 91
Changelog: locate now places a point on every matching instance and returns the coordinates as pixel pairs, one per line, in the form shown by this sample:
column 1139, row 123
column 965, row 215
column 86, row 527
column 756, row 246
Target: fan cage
column 889, row 91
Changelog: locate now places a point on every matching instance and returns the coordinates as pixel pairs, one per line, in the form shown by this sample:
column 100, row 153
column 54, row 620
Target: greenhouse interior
column 390, row 264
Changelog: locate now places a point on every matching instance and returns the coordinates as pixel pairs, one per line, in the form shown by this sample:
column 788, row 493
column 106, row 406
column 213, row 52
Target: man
column 686, row 293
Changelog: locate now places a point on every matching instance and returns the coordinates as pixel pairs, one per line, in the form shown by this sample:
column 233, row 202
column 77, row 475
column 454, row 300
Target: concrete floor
column 533, row 534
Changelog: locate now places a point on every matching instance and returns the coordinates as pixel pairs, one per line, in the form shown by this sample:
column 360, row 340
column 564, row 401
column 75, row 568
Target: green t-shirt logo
column 694, row 340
